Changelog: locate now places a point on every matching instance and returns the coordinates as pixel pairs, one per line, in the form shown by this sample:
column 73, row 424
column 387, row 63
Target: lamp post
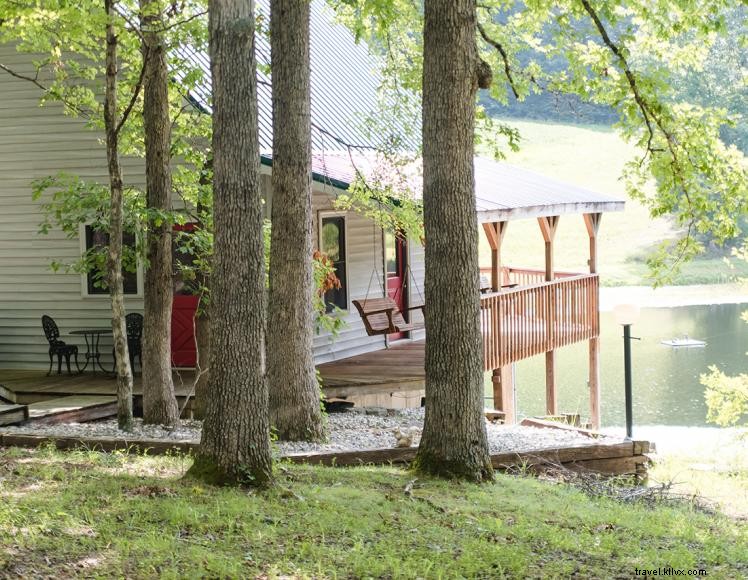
column 626, row 315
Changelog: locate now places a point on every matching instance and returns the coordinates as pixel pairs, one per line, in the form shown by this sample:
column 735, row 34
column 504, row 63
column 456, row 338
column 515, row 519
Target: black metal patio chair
column 58, row 347
column 134, row 327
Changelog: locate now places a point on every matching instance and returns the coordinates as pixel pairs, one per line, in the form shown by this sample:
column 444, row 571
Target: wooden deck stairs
column 66, row 409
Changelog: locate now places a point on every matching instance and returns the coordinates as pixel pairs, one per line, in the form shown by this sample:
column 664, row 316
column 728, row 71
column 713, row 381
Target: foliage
column 104, row 515
column 68, row 60
column 621, row 54
column 325, row 279
column 72, row 203
column 727, row 396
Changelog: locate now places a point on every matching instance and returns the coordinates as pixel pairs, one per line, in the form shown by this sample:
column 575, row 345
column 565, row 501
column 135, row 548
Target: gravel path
column 351, row 430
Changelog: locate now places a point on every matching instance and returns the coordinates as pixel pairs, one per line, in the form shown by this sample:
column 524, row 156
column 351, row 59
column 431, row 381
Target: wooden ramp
column 72, row 409
column 12, row 414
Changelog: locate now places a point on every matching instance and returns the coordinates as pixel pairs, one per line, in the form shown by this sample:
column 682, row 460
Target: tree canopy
column 630, row 56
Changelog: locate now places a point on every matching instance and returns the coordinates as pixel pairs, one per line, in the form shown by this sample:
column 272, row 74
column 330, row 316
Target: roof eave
column 536, row 211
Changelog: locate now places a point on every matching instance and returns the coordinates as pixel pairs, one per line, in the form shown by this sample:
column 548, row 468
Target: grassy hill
column 594, row 157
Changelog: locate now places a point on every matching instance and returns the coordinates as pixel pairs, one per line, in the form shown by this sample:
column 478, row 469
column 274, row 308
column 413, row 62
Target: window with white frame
column 94, row 281
column 332, row 242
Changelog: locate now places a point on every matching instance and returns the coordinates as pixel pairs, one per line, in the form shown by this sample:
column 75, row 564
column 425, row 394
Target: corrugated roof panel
column 503, row 191
column 345, row 81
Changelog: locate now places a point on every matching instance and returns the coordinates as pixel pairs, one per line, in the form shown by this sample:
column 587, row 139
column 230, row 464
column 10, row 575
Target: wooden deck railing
column 524, row 276
column 521, row 322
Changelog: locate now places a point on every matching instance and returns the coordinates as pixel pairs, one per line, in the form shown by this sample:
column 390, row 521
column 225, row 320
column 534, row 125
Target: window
column 93, row 280
column 332, row 243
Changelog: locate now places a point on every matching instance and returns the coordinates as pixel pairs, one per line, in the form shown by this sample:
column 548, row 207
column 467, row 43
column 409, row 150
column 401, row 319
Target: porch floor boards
column 399, row 368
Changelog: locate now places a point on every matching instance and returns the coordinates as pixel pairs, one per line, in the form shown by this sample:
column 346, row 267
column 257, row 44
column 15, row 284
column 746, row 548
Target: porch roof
column 503, row 192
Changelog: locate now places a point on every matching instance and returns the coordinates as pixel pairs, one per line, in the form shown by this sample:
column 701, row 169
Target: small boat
column 684, row 342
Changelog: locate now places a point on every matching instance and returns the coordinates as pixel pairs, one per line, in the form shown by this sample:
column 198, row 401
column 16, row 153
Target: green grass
column 90, row 514
column 718, row 474
column 594, row 157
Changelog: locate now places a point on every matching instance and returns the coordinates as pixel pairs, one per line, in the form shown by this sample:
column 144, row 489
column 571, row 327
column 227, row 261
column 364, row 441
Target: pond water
column 666, row 383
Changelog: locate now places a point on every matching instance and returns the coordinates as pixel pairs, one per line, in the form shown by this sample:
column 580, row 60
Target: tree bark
column 294, row 393
column 202, row 382
column 159, row 401
column 235, row 446
column 202, row 321
column 454, row 441
column 114, row 256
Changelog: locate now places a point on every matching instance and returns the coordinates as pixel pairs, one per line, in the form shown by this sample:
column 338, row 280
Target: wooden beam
column 503, row 393
column 592, row 222
column 551, row 399
column 491, row 234
column 495, row 235
column 548, row 226
column 594, row 382
column 495, row 232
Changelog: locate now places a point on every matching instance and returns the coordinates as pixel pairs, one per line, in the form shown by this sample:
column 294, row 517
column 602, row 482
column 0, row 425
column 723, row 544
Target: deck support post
column 503, row 392
column 592, row 222
column 548, row 226
column 495, row 234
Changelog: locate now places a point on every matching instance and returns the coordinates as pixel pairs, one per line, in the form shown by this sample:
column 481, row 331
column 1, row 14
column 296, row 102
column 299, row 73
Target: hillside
column 594, row 157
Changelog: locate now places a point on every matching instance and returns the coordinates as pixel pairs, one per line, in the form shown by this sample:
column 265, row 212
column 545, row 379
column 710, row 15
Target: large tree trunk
column 454, row 441
column 159, row 401
column 294, row 393
column 202, row 380
column 114, row 258
column 235, row 446
column 202, row 321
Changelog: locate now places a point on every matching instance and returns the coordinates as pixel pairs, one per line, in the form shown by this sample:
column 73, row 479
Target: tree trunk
column 235, row 446
column 294, row 393
column 202, row 381
column 454, row 441
column 202, row 320
column 114, row 257
column 159, row 401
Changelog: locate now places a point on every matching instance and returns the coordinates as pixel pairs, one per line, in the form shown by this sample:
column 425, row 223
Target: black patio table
column 92, row 337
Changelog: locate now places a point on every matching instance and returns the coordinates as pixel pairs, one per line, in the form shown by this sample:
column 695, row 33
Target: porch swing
column 383, row 315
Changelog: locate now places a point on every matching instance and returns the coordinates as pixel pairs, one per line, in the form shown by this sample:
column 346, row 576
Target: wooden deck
column 397, row 369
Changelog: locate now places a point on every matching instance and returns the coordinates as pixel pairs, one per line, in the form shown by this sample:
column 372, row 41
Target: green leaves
column 634, row 56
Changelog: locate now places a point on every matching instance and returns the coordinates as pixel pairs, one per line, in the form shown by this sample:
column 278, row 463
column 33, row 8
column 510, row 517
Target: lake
column 666, row 383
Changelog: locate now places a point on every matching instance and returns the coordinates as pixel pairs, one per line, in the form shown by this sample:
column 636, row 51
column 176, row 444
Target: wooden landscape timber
column 13, row 414
column 623, row 458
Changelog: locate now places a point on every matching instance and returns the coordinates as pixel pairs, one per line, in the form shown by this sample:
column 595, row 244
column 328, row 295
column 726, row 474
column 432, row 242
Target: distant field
column 594, row 157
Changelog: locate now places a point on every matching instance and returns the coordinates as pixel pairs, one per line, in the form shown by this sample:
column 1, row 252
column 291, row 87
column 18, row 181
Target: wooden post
column 592, row 222
column 495, row 233
column 548, row 226
column 503, row 393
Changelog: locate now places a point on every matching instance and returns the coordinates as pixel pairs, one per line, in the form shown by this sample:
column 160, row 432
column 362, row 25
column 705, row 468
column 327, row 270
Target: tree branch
column 504, row 57
column 135, row 92
column 35, row 81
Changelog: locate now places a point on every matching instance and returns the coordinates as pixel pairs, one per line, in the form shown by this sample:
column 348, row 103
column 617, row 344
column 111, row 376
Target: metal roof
column 503, row 192
column 347, row 110
column 346, row 79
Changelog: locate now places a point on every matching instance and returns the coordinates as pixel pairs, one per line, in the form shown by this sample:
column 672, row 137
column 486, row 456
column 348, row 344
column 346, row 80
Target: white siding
column 364, row 256
column 416, row 292
column 35, row 142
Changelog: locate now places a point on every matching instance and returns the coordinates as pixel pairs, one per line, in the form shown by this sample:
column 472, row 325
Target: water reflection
column 667, row 390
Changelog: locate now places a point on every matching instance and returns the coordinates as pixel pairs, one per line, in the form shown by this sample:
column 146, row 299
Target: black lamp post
column 626, row 315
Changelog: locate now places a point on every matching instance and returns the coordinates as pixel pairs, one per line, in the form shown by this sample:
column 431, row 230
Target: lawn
column 594, row 157
column 90, row 514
